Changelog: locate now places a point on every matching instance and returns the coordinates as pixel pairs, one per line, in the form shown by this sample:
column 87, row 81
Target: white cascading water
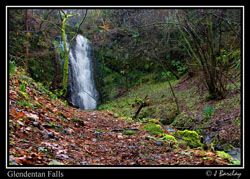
column 84, row 92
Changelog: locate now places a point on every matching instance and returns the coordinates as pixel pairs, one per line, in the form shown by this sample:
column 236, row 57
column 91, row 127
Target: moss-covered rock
column 152, row 128
column 169, row 138
column 183, row 120
column 191, row 138
column 224, row 155
column 129, row 132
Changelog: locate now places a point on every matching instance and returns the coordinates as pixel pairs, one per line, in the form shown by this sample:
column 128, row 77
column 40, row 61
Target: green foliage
column 12, row 67
column 42, row 67
column 52, row 96
column 98, row 130
column 164, row 121
column 22, row 87
column 152, row 128
column 116, row 115
column 208, row 111
column 37, row 104
column 237, row 121
column 42, row 88
column 24, row 94
column 154, row 120
column 181, row 68
column 25, row 103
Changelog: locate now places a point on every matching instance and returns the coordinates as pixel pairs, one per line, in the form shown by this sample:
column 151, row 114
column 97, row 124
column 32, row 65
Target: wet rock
column 62, row 156
column 57, row 138
column 45, row 134
column 59, row 126
column 171, row 130
column 157, row 157
column 159, row 143
column 47, row 119
column 36, row 124
column 210, row 138
column 51, row 134
column 132, row 147
column 223, row 147
column 218, row 147
column 235, row 153
column 65, row 132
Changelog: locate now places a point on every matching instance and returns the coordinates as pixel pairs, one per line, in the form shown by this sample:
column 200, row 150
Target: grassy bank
column 219, row 118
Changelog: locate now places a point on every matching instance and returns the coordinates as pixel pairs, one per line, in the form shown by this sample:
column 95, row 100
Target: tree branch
column 79, row 27
column 52, row 23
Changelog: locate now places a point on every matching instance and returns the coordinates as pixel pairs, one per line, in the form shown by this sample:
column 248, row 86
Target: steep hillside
column 43, row 130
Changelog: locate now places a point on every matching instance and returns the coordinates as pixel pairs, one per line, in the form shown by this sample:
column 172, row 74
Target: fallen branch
column 145, row 103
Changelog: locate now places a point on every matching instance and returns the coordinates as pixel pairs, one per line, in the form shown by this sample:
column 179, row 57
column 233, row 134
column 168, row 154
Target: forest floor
column 43, row 130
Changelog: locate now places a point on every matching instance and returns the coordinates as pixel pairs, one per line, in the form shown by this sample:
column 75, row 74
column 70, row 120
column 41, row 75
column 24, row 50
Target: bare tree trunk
column 172, row 90
column 27, row 41
column 54, row 82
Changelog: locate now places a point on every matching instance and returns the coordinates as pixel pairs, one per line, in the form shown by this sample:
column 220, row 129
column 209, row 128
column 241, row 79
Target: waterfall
column 81, row 86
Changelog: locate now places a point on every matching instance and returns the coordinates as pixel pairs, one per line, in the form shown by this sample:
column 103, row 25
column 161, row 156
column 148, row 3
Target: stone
column 36, row 124
column 159, row 143
column 51, row 134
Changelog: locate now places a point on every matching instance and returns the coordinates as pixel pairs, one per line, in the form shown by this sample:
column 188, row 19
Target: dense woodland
column 168, row 82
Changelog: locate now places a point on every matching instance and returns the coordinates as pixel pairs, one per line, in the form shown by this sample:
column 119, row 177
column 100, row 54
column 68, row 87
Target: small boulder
column 159, row 143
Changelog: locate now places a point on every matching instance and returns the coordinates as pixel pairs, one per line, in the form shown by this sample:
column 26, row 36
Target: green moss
column 169, row 138
column 153, row 120
column 128, row 132
column 224, row 155
column 191, row 138
column 152, row 128
column 183, row 120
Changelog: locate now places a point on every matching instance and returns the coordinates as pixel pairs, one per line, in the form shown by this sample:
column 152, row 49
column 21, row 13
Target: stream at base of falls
column 235, row 152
